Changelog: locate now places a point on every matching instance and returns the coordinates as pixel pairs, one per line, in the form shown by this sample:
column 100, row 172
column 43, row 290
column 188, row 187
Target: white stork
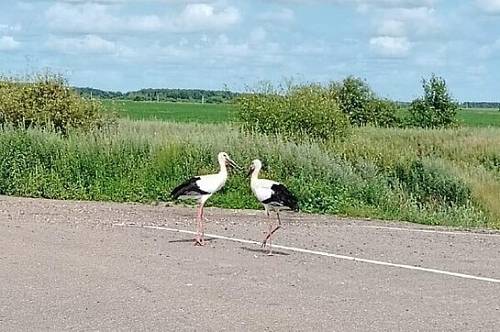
column 273, row 195
column 201, row 188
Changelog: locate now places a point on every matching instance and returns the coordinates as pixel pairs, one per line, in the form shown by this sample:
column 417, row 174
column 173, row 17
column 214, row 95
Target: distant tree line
column 465, row 104
column 480, row 104
column 172, row 95
column 212, row 96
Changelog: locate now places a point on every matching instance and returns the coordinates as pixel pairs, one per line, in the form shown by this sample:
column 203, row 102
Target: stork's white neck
column 255, row 173
column 223, row 167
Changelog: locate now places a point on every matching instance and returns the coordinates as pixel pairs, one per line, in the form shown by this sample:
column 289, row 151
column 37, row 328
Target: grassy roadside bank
column 442, row 177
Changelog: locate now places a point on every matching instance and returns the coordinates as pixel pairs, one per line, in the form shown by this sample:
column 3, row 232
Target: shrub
column 353, row 96
column 436, row 109
column 47, row 102
column 361, row 105
column 382, row 113
column 297, row 111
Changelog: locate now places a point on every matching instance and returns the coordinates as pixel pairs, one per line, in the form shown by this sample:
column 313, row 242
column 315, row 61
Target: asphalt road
column 106, row 266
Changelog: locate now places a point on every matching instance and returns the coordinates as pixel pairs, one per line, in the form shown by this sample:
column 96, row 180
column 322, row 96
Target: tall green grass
column 445, row 177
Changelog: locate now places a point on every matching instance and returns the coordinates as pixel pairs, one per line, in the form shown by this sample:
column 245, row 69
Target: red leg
column 263, row 245
column 271, row 230
column 197, row 240
column 270, row 253
column 202, row 226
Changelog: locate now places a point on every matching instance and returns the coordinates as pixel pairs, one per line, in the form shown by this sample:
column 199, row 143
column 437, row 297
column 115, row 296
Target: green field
column 479, row 117
column 220, row 113
column 175, row 112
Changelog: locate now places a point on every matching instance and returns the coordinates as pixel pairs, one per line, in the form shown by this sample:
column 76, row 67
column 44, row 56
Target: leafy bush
column 297, row 111
column 314, row 109
column 353, row 96
column 436, row 109
column 361, row 105
column 382, row 113
column 47, row 101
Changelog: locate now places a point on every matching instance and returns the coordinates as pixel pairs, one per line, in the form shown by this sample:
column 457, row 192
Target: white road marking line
column 426, row 230
column 322, row 253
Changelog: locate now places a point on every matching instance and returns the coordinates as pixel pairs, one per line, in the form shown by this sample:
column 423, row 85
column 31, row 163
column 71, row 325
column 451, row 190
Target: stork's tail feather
column 291, row 202
column 294, row 206
column 177, row 191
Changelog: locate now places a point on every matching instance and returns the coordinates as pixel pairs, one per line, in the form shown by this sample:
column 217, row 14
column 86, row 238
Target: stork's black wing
column 188, row 188
column 283, row 197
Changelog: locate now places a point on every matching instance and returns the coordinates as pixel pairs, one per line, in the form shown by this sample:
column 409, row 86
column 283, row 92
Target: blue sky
column 127, row 44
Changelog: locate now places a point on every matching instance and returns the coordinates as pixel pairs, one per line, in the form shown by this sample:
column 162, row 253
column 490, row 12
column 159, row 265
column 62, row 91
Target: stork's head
column 226, row 160
column 255, row 165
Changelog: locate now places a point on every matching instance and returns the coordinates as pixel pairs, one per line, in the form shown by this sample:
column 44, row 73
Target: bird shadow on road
column 188, row 240
column 265, row 251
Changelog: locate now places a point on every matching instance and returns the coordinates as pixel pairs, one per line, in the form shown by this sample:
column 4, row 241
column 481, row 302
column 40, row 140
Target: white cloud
column 248, row 51
column 311, row 48
column 143, row 23
column 392, row 47
column 218, row 51
column 91, row 18
column 489, row 6
column 476, row 72
column 85, row 18
column 95, row 1
column 200, row 16
column 111, row 2
column 418, row 14
column 282, row 15
column 490, row 50
column 435, row 56
column 224, row 47
column 363, row 4
column 258, row 35
column 391, row 27
column 183, row 42
column 89, row 44
column 393, row 17
column 8, row 43
column 397, row 29
column 25, row 5
column 10, row 28
column 170, row 53
column 420, row 21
